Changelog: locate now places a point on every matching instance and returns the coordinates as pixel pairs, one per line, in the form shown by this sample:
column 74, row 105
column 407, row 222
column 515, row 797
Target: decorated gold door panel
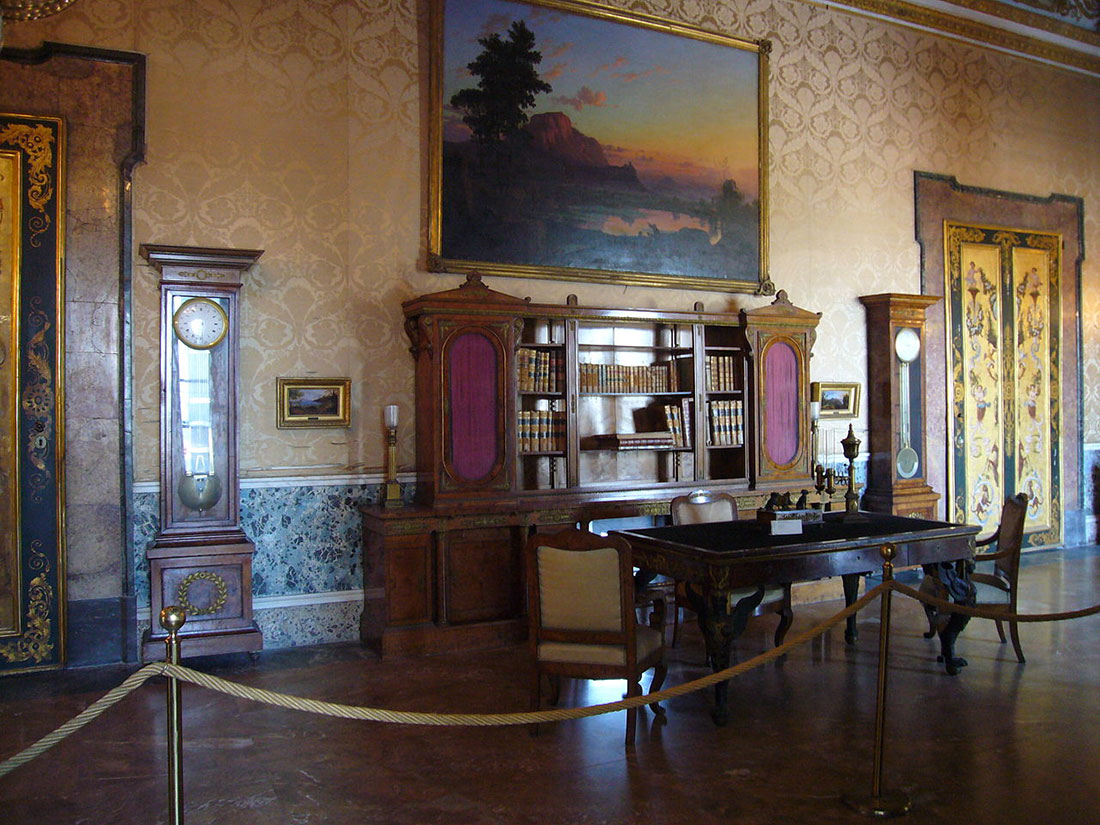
column 31, row 492
column 1004, row 359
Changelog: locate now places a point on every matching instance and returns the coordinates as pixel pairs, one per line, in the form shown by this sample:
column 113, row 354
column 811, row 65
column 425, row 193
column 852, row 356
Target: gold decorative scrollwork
column 34, row 644
column 36, row 141
column 184, row 589
column 38, row 392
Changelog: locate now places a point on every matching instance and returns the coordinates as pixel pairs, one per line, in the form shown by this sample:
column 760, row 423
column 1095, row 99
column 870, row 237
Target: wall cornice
column 993, row 24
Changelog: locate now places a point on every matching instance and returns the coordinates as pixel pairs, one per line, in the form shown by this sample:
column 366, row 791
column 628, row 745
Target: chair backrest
column 703, row 506
column 580, row 588
column 1010, row 537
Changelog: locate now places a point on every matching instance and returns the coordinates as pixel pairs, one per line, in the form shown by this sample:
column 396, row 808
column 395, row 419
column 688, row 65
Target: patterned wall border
column 1039, row 44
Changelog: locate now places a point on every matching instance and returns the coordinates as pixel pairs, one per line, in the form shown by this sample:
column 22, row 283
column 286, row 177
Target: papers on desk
column 785, row 527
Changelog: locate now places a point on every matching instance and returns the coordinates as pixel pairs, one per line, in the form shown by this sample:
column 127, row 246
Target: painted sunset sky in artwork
column 680, row 112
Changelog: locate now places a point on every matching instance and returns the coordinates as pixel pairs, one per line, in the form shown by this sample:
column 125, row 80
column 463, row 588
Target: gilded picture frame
column 634, row 152
column 838, row 400
column 313, row 402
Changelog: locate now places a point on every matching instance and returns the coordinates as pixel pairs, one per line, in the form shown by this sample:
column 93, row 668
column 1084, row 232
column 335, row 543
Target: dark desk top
column 737, row 553
column 839, row 530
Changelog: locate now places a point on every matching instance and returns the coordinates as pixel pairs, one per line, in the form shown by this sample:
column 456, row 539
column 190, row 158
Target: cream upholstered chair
column 703, row 506
column 580, row 604
column 996, row 586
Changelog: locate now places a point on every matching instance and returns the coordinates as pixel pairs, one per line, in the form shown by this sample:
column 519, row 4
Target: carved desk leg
column 948, row 580
column 720, row 626
column 851, row 593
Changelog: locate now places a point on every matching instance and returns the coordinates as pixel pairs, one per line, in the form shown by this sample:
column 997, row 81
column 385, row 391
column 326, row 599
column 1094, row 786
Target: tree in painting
column 508, row 83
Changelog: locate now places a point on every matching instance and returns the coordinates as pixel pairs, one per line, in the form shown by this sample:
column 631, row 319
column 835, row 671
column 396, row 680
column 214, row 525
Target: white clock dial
column 201, row 323
column 907, row 344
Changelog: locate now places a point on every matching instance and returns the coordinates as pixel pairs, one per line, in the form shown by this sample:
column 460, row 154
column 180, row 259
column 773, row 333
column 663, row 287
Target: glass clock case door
column 199, row 470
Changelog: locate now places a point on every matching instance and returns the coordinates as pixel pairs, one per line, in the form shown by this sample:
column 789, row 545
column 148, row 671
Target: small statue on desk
column 772, row 502
column 802, row 504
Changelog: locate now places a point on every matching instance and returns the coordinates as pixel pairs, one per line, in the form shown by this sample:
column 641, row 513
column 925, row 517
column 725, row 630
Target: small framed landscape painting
column 837, row 400
column 574, row 141
column 313, row 402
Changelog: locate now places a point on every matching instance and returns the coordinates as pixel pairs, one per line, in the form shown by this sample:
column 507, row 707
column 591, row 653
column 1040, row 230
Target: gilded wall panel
column 1004, row 357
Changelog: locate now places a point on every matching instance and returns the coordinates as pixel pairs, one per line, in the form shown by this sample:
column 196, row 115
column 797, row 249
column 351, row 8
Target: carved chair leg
column 786, row 617
column 555, row 689
column 659, row 671
column 632, row 689
column 675, row 619
column 1013, row 629
column 536, row 699
column 1000, row 630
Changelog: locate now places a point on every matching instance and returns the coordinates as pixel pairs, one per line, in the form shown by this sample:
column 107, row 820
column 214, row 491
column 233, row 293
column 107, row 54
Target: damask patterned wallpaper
column 297, row 127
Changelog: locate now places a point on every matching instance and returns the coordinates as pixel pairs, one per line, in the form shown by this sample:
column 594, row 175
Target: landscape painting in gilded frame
column 577, row 142
column 32, row 599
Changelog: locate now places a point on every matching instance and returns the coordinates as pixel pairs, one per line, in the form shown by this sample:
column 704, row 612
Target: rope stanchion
column 878, row 803
column 172, row 619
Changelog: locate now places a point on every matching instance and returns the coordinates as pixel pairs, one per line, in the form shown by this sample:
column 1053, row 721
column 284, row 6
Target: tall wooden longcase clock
column 201, row 559
column 895, row 406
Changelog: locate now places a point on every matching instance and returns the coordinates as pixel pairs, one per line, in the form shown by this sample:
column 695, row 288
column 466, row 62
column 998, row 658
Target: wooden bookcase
column 534, row 416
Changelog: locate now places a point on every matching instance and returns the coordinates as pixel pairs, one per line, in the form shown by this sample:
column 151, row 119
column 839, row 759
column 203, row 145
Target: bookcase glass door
column 635, row 414
column 780, row 402
column 475, row 421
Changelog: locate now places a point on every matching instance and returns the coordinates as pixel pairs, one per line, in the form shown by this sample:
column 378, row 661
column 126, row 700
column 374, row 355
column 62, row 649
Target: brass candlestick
column 392, row 493
column 851, row 450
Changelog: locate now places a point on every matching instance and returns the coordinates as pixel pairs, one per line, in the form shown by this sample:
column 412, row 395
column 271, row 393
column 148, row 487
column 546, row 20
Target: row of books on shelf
column 540, row 370
column 541, row 431
column 657, row 439
column 725, row 423
column 722, row 373
column 644, row 378
column 678, row 417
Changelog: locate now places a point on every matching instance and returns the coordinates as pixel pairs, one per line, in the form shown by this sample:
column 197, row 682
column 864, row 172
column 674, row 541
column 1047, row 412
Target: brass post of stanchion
column 172, row 619
column 879, row 803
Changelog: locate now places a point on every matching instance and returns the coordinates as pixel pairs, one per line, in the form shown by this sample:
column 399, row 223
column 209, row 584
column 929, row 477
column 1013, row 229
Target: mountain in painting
column 548, row 196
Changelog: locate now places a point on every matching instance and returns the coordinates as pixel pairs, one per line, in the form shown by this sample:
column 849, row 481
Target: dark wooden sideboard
column 537, row 416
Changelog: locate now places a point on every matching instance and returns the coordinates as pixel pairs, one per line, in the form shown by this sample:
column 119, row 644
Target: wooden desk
column 716, row 558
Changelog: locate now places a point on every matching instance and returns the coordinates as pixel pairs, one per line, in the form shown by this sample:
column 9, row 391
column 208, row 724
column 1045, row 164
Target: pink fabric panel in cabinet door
column 474, row 402
column 781, row 405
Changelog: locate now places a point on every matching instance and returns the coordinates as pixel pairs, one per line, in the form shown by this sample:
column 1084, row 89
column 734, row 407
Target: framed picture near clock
column 837, row 400
column 313, row 402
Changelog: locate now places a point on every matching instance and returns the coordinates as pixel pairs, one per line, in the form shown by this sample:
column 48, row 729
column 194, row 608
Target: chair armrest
column 1000, row 554
column 995, row 581
column 988, row 540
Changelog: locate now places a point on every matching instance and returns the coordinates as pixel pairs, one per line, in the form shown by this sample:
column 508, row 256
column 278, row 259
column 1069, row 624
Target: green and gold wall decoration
column 32, row 556
column 1005, row 416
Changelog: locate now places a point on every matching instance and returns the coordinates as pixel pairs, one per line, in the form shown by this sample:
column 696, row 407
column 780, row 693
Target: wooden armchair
column 580, row 604
column 703, row 506
column 997, row 590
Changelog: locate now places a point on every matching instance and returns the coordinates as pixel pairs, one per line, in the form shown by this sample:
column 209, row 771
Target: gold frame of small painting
column 313, row 402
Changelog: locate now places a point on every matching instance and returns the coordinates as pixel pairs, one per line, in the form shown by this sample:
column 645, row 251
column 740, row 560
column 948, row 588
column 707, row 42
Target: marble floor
column 1002, row 743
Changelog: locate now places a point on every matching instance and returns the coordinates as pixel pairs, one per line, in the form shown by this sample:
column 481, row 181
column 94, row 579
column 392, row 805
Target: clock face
column 907, row 344
column 201, row 323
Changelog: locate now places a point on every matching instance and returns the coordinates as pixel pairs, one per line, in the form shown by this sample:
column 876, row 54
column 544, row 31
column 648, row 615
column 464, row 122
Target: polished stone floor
column 1002, row 743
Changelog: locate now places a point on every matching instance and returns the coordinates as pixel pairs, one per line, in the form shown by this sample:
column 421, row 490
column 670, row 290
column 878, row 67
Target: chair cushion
column 988, row 594
column 647, row 639
column 580, row 590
